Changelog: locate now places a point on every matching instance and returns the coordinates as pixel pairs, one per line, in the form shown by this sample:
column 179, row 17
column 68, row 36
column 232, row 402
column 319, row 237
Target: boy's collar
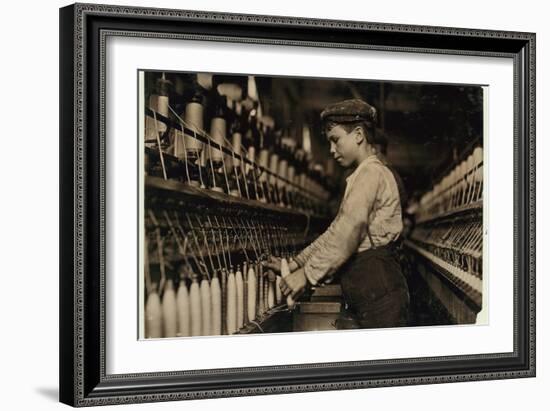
column 368, row 160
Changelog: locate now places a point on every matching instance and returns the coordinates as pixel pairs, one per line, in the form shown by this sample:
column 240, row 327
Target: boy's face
column 343, row 145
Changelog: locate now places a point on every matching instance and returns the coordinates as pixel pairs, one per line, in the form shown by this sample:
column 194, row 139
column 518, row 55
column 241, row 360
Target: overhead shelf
column 180, row 191
column 468, row 208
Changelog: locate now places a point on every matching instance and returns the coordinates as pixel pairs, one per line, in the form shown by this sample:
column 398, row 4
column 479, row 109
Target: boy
column 359, row 242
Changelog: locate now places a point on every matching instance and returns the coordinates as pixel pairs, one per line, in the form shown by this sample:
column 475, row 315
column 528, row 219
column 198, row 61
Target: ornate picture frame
column 84, row 29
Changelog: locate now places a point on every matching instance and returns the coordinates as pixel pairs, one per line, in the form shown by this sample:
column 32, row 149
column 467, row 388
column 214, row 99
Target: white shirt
column 371, row 199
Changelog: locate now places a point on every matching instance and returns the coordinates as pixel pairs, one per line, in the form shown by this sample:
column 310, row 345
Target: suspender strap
column 370, row 238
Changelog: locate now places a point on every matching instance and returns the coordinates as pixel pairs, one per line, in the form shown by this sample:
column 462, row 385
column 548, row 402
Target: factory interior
column 236, row 168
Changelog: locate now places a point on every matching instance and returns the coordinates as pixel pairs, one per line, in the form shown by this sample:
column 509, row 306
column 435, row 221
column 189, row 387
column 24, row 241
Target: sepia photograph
column 266, row 204
column 276, row 204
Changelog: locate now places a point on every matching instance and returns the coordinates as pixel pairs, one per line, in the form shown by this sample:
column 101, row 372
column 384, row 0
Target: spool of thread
column 176, row 139
column 470, row 178
column 478, row 156
column 216, row 294
column 261, row 292
column 258, row 289
column 236, row 141
column 156, row 103
column 233, row 167
column 203, row 159
column 283, row 172
column 194, row 113
column 182, row 302
column 224, row 301
column 206, row 307
column 153, row 316
column 231, row 303
column 205, row 80
column 251, row 155
column 291, row 174
column 470, row 162
column 274, row 168
column 251, row 288
column 240, row 298
column 452, row 182
column 264, row 159
column 478, row 160
column 196, row 309
column 270, row 295
column 169, row 310
column 245, row 293
column 162, row 106
column 463, row 181
column 218, row 133
column 252, row 90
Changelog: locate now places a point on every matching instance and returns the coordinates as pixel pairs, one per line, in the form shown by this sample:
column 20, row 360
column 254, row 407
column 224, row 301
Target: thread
column 236, row 140
column 264, row 158
column 217, row 132
column 251, row 155
column 283, row 172
column 273, row 167
column 194, row 113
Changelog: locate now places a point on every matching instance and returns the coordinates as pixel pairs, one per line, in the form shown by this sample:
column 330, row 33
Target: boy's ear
column 359, row 135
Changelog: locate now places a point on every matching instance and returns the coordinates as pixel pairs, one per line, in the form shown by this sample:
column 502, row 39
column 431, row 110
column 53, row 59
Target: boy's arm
column 306, row 253
column 346, row 232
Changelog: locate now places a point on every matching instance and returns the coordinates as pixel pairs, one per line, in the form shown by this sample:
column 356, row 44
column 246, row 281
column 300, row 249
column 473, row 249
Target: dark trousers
column 375, row 290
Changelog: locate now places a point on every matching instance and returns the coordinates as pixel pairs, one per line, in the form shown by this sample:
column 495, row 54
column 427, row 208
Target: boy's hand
column 273, row 264
column 294, row 284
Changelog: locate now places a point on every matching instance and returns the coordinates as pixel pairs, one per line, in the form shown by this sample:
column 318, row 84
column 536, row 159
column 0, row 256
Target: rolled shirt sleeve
column 325, row 255
column 304, row 255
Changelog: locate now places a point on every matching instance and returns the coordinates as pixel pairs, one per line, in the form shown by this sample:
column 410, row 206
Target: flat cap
column 349, row 111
